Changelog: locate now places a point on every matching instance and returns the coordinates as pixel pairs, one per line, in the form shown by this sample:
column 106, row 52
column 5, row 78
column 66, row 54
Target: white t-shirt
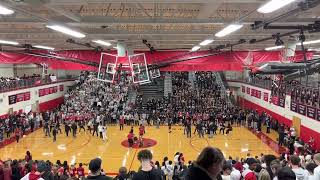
column 317, row 172
column 100, row 128
column 26, row 177
column 235, row 174
column 225, row 177
column 301, row 174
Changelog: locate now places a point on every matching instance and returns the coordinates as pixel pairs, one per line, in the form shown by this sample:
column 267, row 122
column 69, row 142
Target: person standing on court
column 74, row 129
column 121, row 122
column 17, row 134
column 95, row 128
column 66, row 128
column 54, row 133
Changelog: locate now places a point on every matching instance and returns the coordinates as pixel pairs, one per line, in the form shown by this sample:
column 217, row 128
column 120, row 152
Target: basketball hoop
column 109, row 68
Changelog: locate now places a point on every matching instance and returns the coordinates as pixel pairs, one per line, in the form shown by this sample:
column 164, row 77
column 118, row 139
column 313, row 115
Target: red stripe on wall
column 52, row 104
column 306, row 133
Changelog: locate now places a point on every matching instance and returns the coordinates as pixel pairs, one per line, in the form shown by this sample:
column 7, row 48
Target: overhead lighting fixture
column 102, row 42
column 309, row 42
column 66, row 30
column 273, row 48
column 206, row 42
column 274, row 5
column 195, row 48
column 5, row 11
column 8, row 42
column 229, row 29
column 43, row 47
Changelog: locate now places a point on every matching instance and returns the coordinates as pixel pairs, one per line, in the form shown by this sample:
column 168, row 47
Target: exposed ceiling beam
column 101, row 32
column 103, row 20
column 85, row 2
column 68, row 14
column 207, row 9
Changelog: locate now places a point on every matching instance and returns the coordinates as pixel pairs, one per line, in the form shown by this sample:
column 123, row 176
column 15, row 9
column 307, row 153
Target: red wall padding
column 306, row 133
column 52, row 104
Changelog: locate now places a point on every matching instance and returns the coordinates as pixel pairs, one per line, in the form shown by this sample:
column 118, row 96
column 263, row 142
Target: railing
column 299, row 93
column 12, row 85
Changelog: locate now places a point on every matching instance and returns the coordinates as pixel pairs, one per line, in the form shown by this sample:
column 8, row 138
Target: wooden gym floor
column 85, row 147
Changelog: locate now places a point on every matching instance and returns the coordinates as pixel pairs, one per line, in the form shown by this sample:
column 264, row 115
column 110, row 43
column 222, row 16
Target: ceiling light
column 43, row 47
column 102, row 42
column 66, row 30
column 309, row 42
column 195, row 48
column 8, row 42
column 273, row 48
column 229, row 29
column 5, row 11
column 206, row 42
column 274, row 5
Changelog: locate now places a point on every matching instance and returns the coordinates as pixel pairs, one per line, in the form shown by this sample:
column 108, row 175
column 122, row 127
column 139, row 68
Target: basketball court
column 85, row 147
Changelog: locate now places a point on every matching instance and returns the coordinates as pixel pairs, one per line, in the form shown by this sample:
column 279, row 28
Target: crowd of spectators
column 94, row 102
column 7, row 83
column 209, row 165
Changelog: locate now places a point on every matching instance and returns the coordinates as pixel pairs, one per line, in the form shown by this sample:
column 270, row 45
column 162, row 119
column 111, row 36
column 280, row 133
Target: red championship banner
column 20, row 97
column 275, row 100
column 61, row 87
column 46, row 91
column 55, row 89
column 258, row 94
column 248, row 90
column 253, row 92
column 27, row 96
column 266, row 96
column 41, row 92
column 51, row 90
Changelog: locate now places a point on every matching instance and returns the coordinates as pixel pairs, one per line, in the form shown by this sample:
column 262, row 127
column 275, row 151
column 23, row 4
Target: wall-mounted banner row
column 19, row 97
column 305, row 110
column 50, row 90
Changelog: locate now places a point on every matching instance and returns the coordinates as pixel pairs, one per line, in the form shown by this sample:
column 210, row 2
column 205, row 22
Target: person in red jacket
column 80, row 171
column 248, row 174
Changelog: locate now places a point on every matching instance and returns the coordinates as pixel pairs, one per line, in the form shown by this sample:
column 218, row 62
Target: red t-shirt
column 80, row 171
column 73, row 172
column 122, row 120
column 130, row 136
column 141, row 130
